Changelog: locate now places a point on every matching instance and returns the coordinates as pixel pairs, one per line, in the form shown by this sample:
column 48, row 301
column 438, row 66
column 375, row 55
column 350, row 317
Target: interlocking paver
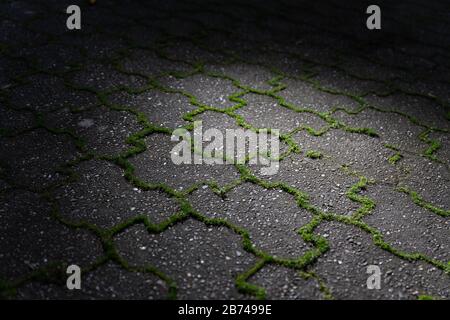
column 28, row 234
column 284, row 283
column 347, row 280
column 101, row 196
column 103, row 131
column 208, row 259
column 270, row 216
column 33, row 159
column 180, row 176
column 107, row 282
column 161, row 108
column 86, row 175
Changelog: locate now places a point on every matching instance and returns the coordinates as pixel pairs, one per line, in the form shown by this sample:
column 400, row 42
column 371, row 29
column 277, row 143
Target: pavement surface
column 86, row 176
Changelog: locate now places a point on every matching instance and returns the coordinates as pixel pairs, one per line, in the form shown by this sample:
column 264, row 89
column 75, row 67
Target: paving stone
column 199, row 249
column 312, row 177
column 178, row 176
column 149, row 63
column 13, row 122
column 389, row 215
column 428, row 111
column 101, row 196
column 248, row 75
column 344, row 269
column 105, row 131
column 429, row 179
column 304, row 95
column 44, row 93
column 107, row 282
column 104, row 77
column 286, row 284
column 32, row 239
column 33, row 159
column 273, row 227
column 391, row 129
column 367, row 153
column 214, row 92
column 266, row 112
column 162, row 109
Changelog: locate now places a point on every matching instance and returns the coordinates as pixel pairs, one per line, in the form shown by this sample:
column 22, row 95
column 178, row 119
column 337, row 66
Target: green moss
column 367, row 204
column 326, row 292
column 433, row 145
column 417, row 199
column 6, row 290
column 395, row 158
column 425, row 297
column 245, row 287
column 318, row 244
column 368, row 131
column 314, row 154
column 392, row 147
